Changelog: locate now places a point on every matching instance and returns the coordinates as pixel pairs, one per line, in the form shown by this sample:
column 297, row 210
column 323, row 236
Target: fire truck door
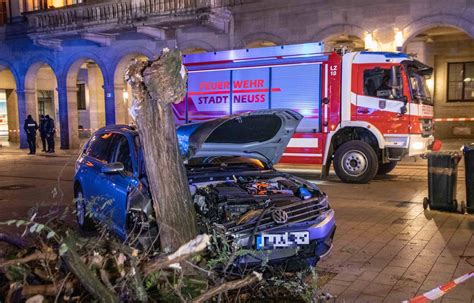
column 381, row 100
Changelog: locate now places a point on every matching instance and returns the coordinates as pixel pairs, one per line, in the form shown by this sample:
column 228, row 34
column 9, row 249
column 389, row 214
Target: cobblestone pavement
column 386, row 248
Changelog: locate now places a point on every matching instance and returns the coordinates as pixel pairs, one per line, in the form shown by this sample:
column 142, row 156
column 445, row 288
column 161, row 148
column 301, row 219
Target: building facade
column 67, row 58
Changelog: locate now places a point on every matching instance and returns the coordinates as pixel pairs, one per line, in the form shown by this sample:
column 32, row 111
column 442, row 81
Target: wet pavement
column 386, row 248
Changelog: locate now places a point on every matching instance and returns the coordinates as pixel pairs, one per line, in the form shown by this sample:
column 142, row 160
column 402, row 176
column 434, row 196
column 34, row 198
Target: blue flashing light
column 387, row 54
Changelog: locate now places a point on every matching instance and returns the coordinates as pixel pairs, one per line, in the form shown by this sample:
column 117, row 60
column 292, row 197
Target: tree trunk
column 155, row 85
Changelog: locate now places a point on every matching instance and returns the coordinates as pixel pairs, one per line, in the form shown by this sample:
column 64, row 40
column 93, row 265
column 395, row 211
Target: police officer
column 50, row 130
column 42, row 131
column 30, row 128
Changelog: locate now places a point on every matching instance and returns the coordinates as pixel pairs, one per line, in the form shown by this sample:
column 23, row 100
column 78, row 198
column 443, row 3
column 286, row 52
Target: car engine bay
column 241, row 199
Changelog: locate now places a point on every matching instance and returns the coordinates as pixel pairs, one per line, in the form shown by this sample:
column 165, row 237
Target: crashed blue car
column 235, row 189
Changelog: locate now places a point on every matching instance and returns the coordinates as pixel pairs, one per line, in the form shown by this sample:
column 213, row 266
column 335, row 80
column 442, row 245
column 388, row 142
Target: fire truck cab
column 363, row 111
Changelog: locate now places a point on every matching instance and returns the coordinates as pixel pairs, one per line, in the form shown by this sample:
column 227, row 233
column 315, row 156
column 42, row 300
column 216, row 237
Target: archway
column 41, row 95
column 9, row 124
column 260, row 43
column 450, row 51
column 123, row 91
column 344, row 41
column 85, row 98
column 194, row 50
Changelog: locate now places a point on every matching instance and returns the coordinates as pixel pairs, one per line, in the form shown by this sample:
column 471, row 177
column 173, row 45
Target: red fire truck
column 363, row 111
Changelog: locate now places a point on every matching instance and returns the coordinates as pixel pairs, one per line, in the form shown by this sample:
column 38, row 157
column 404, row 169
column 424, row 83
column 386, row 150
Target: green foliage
column 17, row 273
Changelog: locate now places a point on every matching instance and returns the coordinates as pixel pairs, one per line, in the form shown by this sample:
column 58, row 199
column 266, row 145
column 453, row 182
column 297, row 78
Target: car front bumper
column 321, row 234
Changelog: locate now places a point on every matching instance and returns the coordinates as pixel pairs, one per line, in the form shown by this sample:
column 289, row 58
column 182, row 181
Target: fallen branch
column 33, row 257
column 15, row 241
column 231, row 285
column 85, row 276
column 47, row 290
column 187, row 250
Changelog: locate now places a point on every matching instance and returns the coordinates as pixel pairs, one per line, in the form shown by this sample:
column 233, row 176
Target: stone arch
column 9, row 81
column 421, row 24
column 197, row 44
column 335, row 29
column 353, row 32
column 31, row 86
column 40, row 93
column 122, row 91
column 99, row 107
column 262, row 36
column 14, row 71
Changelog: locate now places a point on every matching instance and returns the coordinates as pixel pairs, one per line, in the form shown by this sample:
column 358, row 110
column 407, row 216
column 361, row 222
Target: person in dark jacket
column 50, row 131
column 30, row 128
column 42, row 131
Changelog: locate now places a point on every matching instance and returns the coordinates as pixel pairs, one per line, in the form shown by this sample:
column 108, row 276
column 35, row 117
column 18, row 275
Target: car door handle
column 363, row 110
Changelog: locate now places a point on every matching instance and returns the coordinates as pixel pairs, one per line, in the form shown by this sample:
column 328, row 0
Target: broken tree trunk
column 155, row 86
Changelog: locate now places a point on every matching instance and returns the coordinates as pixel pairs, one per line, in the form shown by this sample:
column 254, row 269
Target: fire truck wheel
column 385, row 168
column 356, row 162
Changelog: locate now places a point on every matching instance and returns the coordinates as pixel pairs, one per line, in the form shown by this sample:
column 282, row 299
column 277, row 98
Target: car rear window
column 247, row 129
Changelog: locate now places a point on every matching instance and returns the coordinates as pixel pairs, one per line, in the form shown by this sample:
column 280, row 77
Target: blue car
column 234, row 187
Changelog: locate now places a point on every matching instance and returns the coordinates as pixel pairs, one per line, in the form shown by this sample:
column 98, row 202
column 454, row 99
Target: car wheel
column 385, row 168
column 84, row 221
column 355, row 162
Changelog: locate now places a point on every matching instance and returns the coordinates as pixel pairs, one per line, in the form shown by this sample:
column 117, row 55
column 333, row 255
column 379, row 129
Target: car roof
column 123, row 128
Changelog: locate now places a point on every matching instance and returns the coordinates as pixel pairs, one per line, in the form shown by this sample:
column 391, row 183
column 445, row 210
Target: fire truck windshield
column 419, row 89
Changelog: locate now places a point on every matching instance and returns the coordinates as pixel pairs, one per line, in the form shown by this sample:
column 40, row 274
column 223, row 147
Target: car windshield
column 224, row 163
column 419, row 89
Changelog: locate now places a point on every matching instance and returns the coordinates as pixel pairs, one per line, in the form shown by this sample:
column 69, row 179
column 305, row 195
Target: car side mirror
column 113, row 168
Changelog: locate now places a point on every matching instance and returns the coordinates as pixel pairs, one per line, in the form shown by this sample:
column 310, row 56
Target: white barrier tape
column 452, row 119
column 440, row 291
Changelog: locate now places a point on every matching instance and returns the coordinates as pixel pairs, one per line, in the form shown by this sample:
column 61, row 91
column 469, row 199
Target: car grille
column 297, row 212
column 426, row 127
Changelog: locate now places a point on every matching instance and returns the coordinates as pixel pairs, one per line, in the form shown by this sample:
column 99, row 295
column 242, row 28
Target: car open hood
column 262, row 135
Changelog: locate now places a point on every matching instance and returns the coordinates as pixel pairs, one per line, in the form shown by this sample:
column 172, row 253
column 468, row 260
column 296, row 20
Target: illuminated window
column 461, row 82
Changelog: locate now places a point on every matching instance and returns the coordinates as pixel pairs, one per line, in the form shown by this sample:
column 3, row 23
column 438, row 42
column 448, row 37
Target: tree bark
column 155, row 85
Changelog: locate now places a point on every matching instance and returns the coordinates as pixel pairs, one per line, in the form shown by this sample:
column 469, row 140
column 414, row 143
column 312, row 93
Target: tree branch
column 254, row 277
column 187, row 250
column 33, row 257
column 85, row 276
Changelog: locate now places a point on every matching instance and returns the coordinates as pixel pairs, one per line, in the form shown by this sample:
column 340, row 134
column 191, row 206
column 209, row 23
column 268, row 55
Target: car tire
column 385, row 168
column 84, row 221
column 356, row 162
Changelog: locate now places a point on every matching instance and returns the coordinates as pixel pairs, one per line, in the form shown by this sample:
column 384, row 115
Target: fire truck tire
column 356, row 162
column 385, row 168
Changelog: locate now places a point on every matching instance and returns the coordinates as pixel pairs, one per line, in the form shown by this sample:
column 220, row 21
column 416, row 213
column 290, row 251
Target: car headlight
column 418, row 145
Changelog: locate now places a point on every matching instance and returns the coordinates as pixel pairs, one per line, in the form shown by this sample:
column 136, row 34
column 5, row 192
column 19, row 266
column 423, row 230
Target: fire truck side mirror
column 403, row 109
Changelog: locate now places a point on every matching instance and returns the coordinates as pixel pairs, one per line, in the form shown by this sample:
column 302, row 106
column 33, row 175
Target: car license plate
column 281, row 240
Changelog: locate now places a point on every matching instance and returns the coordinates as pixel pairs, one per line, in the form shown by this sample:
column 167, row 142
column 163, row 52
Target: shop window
column 45, row 102
column 81, row 96
column 461, row 82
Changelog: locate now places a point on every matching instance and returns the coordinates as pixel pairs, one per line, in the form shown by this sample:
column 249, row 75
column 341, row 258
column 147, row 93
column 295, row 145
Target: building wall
column 382, row 24
column 442, row 53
